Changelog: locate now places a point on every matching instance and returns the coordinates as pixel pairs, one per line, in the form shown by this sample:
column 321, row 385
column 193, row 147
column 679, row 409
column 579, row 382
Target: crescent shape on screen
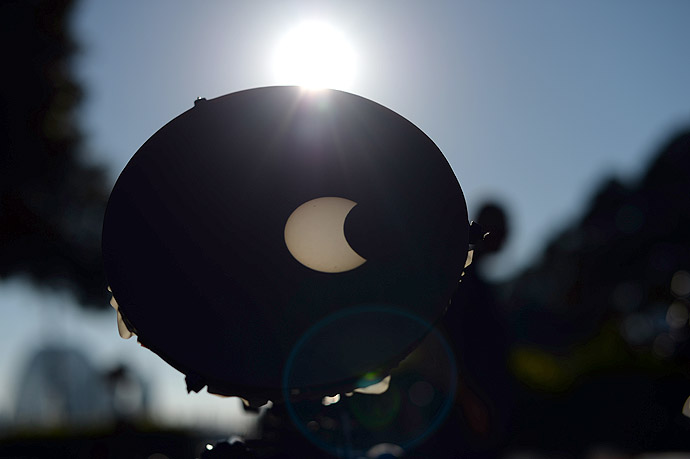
column 315, row 235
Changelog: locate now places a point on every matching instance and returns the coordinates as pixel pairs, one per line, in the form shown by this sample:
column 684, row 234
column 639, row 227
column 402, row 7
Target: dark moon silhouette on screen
column 253, row 216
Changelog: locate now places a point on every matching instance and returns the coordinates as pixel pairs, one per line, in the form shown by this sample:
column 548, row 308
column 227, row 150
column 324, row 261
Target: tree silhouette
column 51, row 203
column 601, row 321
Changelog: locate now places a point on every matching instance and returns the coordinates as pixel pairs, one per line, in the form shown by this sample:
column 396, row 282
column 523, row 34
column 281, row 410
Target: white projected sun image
column 314, row 55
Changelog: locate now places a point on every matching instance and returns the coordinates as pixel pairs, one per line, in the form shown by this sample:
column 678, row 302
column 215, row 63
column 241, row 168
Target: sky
column 533, row 102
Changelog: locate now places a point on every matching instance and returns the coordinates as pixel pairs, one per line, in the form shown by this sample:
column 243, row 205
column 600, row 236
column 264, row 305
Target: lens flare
column 398, row 406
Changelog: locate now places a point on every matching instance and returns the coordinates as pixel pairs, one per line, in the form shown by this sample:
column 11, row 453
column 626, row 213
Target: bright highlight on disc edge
column 314, row 55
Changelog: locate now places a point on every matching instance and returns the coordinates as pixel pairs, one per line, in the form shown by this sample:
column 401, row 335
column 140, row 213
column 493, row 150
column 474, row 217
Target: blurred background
column 567, row 125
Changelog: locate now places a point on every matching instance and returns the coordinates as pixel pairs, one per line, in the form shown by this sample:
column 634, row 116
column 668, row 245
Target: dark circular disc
column 194, row 237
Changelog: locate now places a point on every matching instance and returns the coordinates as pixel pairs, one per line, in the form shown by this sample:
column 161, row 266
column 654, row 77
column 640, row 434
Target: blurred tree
column 51, row 203
column 601, row 320
column 616, row 264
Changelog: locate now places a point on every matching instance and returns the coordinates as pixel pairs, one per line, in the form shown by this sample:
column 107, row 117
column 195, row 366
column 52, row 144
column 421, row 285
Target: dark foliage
column 618, row 260
column 51, row 203
column 600, row 323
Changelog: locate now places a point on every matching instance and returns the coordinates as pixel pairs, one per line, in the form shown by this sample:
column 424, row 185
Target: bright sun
column 314, row 55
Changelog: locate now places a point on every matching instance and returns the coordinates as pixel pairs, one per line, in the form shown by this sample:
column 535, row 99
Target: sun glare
column 314, row 55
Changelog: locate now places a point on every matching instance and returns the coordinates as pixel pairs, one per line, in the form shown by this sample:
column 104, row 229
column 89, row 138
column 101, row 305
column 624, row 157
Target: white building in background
column 61, row 387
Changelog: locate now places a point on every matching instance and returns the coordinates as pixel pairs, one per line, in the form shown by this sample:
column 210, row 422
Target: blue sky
column 533, row 102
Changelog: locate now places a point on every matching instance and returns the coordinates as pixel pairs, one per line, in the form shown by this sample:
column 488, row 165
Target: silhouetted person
column 475, row 327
